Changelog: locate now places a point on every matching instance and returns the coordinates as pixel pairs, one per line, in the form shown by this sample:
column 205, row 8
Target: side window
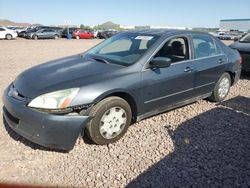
column 204, row 46
column 117, row 46
column 176, row 49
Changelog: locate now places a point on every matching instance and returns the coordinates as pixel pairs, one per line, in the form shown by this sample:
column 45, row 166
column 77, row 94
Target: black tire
column 97, row 112
column 56, row 37
column 215, row 97
column 8, row 37
column 35, row 37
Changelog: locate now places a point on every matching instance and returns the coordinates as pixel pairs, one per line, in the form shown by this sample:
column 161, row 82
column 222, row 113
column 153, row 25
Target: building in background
column 127, row 26
column 161, row 27
column 235, row 24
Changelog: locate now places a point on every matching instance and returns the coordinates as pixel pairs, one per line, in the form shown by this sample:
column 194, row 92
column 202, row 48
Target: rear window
column 204, row 46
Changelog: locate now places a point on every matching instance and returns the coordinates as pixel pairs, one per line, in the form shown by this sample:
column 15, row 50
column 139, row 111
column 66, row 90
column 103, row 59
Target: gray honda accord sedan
column 128, row 77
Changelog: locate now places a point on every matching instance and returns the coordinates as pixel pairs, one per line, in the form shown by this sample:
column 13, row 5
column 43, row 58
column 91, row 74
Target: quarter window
column 204, row 46
column 2, row 29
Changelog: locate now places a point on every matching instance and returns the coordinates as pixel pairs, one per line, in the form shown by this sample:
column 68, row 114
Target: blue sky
column 189, row 13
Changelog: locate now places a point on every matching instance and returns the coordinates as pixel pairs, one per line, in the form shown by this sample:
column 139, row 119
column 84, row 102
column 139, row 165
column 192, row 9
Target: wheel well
column 232, row 75
column 130, row 100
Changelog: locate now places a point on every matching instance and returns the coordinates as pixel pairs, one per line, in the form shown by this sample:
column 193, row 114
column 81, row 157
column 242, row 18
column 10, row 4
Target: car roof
column 161, row 32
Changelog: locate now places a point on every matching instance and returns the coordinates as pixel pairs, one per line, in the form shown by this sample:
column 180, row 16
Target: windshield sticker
column 144, row 37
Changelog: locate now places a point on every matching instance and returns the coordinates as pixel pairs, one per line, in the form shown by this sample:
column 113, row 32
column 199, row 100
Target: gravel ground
column 202, row 144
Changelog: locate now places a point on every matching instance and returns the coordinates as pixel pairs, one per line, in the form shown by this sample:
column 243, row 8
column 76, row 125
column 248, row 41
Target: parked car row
column 229, row 35
column 48, row 32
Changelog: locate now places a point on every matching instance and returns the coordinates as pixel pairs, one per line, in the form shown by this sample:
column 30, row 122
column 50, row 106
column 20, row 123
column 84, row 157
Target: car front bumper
column 45, row 129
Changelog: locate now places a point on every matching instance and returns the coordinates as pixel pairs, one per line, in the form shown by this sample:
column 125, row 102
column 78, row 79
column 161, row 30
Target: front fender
column 93, row 93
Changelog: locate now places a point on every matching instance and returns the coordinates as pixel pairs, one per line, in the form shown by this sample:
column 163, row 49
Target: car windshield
column 123, row 49
column 246, row 38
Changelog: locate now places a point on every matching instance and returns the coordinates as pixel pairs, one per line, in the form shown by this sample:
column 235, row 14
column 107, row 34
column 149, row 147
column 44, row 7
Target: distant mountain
column 109, row 25
column 4, row 22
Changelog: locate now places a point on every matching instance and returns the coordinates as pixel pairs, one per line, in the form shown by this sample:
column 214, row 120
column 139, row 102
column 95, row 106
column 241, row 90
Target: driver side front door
column 165, row 87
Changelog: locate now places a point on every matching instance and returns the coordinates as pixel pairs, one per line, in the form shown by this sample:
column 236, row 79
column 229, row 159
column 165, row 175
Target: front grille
column 11, row 117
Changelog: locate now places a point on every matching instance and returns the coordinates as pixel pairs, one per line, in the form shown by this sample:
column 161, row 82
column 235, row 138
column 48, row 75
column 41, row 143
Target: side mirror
column 160, row 62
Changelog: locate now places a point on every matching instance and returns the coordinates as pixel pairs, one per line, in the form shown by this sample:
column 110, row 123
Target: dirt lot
column 202, row 144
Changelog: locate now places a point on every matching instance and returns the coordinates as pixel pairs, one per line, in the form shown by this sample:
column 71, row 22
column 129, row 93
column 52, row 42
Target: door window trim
column 145, row 66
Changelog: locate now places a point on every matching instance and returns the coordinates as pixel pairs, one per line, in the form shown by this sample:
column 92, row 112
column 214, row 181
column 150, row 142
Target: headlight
column 55, row 100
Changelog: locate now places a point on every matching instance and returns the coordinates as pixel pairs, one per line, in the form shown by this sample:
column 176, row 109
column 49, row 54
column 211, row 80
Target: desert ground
column 201, row 144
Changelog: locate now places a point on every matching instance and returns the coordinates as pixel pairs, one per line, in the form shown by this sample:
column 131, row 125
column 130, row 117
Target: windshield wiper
column 100, row 60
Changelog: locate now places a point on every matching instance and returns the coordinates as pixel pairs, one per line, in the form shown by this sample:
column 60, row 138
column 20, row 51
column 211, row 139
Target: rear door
column 210, row 63
column 163, row 87
column 42, row 34
column 50, row 33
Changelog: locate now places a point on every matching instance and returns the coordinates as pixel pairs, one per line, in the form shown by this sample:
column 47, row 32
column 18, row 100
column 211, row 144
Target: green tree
column 85, row 27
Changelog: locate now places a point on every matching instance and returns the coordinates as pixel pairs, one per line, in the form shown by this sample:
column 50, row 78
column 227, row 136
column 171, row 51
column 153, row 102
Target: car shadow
column 211, row 150
column 245, row 75
column 26, row 142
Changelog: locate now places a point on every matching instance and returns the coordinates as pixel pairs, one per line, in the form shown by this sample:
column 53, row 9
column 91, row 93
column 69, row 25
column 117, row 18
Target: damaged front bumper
column 45, row 129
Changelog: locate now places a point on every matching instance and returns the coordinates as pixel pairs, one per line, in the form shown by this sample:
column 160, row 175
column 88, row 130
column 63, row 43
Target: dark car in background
column 43, row 34
column 243, row 46
column 106, row 34
column 70, row 30
column 126, row 78
column 31, row 30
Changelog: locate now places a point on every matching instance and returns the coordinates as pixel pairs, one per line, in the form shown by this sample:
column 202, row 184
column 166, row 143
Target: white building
column 127, row 26
column 235, row 24
column 169, row 27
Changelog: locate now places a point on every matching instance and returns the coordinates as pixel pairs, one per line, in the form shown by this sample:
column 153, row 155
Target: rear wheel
column 111, row 118
column 221, row 89
column 56, row 37
column 77, row 37
column 8, row 37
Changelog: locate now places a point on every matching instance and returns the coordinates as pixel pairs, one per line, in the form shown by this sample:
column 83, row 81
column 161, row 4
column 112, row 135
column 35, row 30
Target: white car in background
column 7, row 33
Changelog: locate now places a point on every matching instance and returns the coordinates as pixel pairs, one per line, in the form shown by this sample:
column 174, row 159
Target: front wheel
column 77, row 37
column 111, row 118
column 221, row 89
column 8, row 37
column 35, row 37
column 56, row 37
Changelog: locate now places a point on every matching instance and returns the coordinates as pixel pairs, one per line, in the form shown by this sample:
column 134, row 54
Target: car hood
column 69, row 72
column 241, row 46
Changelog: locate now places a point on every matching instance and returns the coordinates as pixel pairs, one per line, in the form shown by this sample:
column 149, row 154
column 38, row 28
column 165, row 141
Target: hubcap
column 223, row 87
column 113, row 122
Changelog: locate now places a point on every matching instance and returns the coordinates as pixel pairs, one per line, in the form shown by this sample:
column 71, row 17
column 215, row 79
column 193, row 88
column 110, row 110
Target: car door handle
column 188, row 69
column 221, row 61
